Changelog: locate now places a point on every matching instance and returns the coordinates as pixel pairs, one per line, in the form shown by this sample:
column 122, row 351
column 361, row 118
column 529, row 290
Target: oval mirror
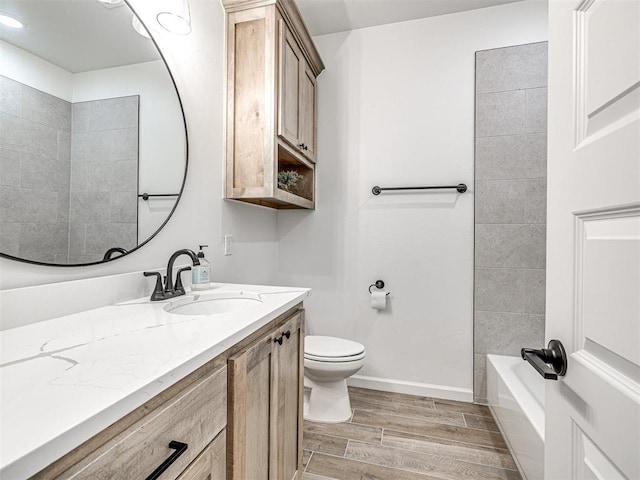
column 93, row 145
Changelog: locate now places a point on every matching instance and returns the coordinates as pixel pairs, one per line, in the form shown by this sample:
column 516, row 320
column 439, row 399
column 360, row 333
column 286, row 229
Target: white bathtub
column 515, row 392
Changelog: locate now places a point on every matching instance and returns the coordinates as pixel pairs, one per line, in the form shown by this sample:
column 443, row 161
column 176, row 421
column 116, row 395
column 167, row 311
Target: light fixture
column 175, row 17
column 10, row 21
column 139, row 27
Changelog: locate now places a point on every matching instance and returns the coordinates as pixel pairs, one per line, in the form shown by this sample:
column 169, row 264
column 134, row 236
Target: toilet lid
column 331, row 347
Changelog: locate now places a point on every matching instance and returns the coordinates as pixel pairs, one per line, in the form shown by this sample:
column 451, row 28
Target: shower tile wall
column 510, row 203
column 104, row 178
column 34, row 173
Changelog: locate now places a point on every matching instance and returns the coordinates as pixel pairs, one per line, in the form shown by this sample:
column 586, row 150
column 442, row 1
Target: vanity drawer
column 194, row 416
column 211, row 464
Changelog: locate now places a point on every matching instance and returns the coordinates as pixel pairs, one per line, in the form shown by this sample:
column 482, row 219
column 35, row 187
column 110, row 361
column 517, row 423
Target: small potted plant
column 288, row 180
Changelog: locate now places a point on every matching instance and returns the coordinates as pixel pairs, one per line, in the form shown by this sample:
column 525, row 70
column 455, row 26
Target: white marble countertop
column 66, row 379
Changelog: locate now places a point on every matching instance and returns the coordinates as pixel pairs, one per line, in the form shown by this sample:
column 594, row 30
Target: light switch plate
column 228, row 242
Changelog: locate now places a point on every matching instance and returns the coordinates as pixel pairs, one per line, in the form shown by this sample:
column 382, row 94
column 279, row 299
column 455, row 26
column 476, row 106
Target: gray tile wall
column 35, row 154
column 68, row 175
column 510, row 203
column 104, row 177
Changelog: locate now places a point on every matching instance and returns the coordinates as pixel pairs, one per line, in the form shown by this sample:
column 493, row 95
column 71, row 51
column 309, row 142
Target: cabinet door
column 291, row 60
column 289, row 375
column 307, row 111
column 249, row 432
column 211, row 463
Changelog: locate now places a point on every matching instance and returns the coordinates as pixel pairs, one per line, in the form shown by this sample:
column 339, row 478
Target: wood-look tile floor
column 394, row 436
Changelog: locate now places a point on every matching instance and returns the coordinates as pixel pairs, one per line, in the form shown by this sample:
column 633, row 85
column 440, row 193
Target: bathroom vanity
column 120, row 392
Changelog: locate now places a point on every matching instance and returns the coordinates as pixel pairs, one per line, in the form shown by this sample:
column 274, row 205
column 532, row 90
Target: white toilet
column 328, row 362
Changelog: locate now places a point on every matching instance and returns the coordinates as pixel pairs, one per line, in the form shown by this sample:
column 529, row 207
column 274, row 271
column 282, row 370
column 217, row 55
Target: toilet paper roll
column 379, row 300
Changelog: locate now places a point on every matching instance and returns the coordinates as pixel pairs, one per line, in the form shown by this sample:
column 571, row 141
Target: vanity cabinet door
column 211, row 464
column 264, row 418
column 289, row 375
column 251, row 393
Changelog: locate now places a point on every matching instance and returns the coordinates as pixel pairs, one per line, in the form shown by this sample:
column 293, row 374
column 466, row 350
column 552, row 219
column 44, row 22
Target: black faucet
column 168, row 283
column 169, row 291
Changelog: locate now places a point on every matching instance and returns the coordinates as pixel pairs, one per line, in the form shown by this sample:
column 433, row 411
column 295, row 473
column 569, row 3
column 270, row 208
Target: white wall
column 396, row 107
column 202, row 216
column 35, row 72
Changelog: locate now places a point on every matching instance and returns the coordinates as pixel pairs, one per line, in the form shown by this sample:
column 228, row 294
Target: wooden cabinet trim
column 290, row 12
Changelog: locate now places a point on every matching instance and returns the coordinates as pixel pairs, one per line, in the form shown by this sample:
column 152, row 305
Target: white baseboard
column 412, row 388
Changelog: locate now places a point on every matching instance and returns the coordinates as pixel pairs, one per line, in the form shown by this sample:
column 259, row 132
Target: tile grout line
column 440, row 437
column 308, row 462
column 424, row 419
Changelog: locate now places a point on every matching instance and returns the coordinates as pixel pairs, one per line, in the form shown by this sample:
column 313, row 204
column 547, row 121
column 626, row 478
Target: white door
column 593, row 260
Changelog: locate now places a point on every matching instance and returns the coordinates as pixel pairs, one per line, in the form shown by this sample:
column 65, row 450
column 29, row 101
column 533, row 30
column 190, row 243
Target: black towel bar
column 461, row 188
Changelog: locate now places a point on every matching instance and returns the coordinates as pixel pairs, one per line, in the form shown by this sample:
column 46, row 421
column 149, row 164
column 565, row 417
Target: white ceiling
column 77, row 35
column 83, row 35
column 330, row 16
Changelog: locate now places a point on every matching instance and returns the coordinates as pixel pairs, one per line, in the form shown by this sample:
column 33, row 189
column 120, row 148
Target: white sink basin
column 213, row 303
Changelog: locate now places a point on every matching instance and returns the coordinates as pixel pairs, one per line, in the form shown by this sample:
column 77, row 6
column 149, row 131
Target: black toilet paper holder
column 379, row 285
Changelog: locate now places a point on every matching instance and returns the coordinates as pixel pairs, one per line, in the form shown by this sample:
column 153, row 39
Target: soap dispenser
column 201, row 274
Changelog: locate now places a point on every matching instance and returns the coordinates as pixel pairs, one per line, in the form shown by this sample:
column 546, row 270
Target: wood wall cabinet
column 271, row 67
column 265, row 406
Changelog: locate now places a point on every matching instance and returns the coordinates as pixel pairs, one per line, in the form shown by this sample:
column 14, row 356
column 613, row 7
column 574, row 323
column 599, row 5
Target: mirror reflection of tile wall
column 64, row 201
column 104, row 178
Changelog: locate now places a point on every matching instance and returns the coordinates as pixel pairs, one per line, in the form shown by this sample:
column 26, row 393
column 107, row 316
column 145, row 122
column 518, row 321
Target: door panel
column 593, row 260
column 612, row 91
column 608, row 254
column 594, row 465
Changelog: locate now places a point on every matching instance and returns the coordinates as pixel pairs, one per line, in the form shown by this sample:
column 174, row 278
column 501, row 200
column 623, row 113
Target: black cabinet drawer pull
column 278, row 340
column 179, row 448
column 287, row 333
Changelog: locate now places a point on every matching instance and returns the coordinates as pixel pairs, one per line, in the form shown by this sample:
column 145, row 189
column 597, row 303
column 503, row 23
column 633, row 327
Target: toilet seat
column 331, row 349
column 318, row 358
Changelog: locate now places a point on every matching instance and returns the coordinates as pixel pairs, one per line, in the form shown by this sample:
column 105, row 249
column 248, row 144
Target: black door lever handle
column 550, row 362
